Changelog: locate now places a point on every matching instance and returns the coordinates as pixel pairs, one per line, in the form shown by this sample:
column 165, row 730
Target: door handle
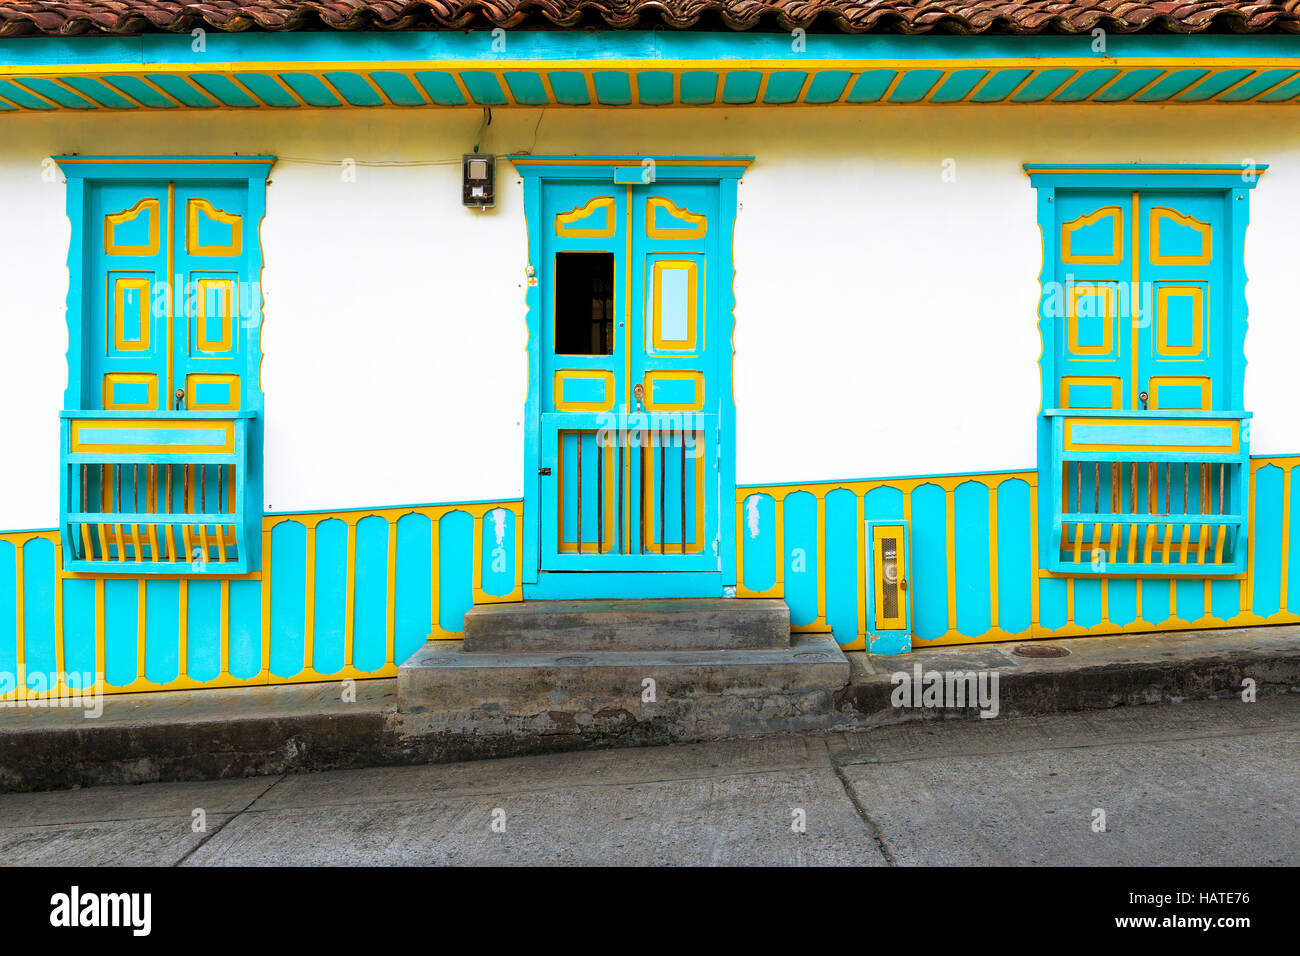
column 180, row 397
column 638, row 390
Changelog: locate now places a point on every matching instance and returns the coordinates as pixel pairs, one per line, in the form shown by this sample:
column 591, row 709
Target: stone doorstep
column 628, row 625
column 448, row 679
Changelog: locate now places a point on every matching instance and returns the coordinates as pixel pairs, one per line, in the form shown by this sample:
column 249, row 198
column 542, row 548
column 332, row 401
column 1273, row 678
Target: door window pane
column 584, row 303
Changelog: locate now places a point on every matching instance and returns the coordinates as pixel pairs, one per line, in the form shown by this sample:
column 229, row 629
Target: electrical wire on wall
column 487, row 121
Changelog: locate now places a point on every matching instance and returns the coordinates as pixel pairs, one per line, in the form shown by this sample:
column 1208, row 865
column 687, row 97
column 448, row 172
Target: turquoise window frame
column 83, row 173
column 622, row 170
column 1195, row 429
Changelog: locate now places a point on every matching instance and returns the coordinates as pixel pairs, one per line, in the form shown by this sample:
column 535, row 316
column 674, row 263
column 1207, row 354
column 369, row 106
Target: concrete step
column 697, row 694
column 640, row 625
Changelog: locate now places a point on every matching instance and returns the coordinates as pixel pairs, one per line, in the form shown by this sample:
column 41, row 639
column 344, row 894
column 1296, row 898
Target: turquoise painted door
column 1095, row 271
column 1143, row 328
column 630, row 390
column 161, row 347
column 1183, row 359
column 168, row 330
column 214, row 297
column 1144, row 335
column 127, row 325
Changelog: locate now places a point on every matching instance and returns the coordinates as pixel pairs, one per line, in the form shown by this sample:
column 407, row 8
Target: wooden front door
column 630, row 391
column 1142, row 324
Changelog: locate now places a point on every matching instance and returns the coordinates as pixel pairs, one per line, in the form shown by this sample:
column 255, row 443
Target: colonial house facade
column 325, row 323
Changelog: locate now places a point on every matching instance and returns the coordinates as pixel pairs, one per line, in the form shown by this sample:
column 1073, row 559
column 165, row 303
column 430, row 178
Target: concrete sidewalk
column 1097, row 672
column 1207, row 782
column 214, row 734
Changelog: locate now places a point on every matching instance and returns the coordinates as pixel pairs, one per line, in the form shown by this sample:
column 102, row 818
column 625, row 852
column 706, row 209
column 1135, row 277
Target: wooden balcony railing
column 160, row 492
column 1148, row 492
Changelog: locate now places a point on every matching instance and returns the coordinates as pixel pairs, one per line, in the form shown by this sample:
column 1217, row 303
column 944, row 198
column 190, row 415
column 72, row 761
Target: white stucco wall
column 885, row 316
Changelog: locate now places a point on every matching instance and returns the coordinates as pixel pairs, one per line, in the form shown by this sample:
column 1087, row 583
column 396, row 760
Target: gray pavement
column 1204, row 782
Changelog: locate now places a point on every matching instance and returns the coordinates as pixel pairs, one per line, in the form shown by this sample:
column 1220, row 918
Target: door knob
column 639, row 391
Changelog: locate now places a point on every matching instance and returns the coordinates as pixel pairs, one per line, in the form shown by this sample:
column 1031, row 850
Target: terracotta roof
column 67, row 17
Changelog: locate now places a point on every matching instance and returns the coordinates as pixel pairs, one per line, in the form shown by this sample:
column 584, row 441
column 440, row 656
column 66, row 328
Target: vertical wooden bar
column 1203, row 535
column 151, row 507
column 1187, row 529
column 117, row 509
column 1096, row 508
column 230, row 504
column 221, row 529
column 1169, row 528
column 1133, row 505
column 579, row 438
column 105, row 505
column 169, row 530
column 1152, row 506
column 1114, row 509
column 662, row 480
column 1078, row 506
column 203, row 509
column 86, row 540
column 621, row 535
column 682, row 445
column 187, row 508
column 641, row 497
column 1222, row 529
column 135, row 507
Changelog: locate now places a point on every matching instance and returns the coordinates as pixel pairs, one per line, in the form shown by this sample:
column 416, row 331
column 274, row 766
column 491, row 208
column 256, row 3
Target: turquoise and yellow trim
column 347, row 594
column 148, row 319
column 974, row 575
column 351, row 594
column 633, row 68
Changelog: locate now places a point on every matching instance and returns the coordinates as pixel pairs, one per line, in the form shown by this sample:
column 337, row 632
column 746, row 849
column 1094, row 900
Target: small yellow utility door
column 888, row 548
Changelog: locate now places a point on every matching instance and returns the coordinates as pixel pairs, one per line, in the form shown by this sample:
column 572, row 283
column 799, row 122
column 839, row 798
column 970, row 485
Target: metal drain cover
column 1040, row 650
column 573, row 660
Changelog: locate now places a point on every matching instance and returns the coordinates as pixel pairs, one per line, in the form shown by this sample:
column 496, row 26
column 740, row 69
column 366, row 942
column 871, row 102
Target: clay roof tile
column 54, row 17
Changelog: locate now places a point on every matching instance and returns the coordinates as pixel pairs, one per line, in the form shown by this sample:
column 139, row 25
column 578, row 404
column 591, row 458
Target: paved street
column 1194, row 783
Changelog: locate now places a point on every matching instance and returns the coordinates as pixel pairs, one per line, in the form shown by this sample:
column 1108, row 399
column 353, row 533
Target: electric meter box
column 479, row 175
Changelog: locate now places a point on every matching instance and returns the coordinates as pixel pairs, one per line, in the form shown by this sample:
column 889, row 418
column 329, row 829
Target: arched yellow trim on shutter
column 1159, row 213
column 698, row 224
column 564, row 221
column 1116, row 254
column 113, row 220
column 233, row 220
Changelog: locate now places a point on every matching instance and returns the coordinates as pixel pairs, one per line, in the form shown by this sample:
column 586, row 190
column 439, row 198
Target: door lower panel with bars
column 632, row 498
column 1167, row 493
column 156, row 492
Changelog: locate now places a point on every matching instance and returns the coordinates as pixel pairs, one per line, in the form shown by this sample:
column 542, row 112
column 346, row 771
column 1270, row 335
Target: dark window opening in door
column 584, row 303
